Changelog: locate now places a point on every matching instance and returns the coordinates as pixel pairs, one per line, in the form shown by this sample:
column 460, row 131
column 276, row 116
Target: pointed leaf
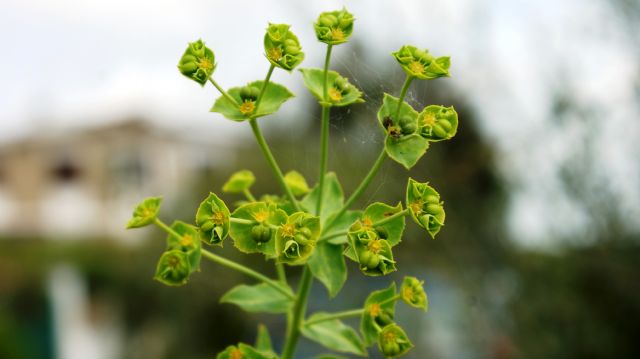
column 274, row 96
column 239, row 181
column 332, row 197
column 258, row 298
column 334, row 334
column 339, row 91
column 263, row 341
column 328, row 266
column 296, row 182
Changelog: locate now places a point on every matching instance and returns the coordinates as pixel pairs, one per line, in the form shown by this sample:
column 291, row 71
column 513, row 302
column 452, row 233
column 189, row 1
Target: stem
column 166, row 228
column 403, row 93
column 241, row 220
column 392, row 299
column 263, row 89
column 386, row 220
column 293, row 329
column 358, row 192
column 324, row 135
column 272, row 163
column 338, row 315
column 248, row 271
column 282, row 274
column 248, row 194
column 223, row 92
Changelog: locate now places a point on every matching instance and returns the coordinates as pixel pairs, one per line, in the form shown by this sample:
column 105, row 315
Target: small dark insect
column 387, row 122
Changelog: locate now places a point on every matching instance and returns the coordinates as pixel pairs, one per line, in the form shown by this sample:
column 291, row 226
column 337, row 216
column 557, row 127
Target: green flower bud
column 412, row 293
column 424, row 204
column 420, row 64
column 438, row 123
column 282, row 47
column 213, row 219
column 393, row 341
column 296, row 239
column 188, row 242
column 334, row 27
column 197, row 62
column 261, row 233
column 145, row 213
column 373, row 253
column 173, row 268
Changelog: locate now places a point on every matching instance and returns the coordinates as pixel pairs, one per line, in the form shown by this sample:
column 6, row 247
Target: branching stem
column 324, row 134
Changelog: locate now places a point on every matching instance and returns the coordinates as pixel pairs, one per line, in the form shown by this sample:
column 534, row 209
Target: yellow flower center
column 335, row 95
column 337, row 34
column 274, row 54
column 261, row 216
column 374, row 310
column 186, row 240
column 366, row 222
column 408, row 294
column 416, row 206
column 147, row 212
column 375, row 246
column 416, row 67
column 429, row 119
column 236, row 354
column 247, row 107
column 288, row 230
column 205, row 63
column 390, row 337
column 218, row 217
column 174, row 261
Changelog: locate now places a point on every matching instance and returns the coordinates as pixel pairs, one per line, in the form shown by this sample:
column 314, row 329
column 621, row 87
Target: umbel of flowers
column 313, row 227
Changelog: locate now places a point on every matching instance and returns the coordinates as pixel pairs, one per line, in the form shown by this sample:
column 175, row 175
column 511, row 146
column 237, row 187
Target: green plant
column 314, row 228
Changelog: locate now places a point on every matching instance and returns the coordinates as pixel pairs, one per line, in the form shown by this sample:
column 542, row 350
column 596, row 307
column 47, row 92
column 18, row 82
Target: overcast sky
column 66, row 63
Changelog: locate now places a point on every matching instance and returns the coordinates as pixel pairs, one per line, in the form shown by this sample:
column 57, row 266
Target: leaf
column 145, row 213
column 372, row 319
column 263, row 341
column 334, row 334
column 328, row 266
column 239, row 182
column 342, row 225
column 257, row 298
column 402, row 144
column 339, row 91
column 332, row 197
column 296, row 182
column 274, row 96
column 260, row 213
column 392, row 230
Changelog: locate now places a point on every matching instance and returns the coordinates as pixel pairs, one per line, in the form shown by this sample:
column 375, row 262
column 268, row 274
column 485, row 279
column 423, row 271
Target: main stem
column 358, row 192
column 403, row 93
column 293, row 329
column 324, row 134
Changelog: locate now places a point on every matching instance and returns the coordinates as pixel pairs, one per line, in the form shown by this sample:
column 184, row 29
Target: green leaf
column 189, row 243
column 145, row 213
column 342, row 225
column 263, row 341
column 402, row 144
column 391, row 231
column 213, row 219
column 332, row 197
column 426, row 208
column 239, row 182
column 258, row 298
column 249, row 239
column 339, row 91
column 412, row 293
column 274, row 96
column 393, row 341
column 377, row 315
column 173, row 268
column 328, row 266
column 244, row 351
column 438, row 123
column 334, row 334
column 296, row 182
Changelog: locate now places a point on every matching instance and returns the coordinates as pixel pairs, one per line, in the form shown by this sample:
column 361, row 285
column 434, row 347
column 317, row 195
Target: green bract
column 402, row 144
column 258, row 236
column 413, row 293
column 272, row 98
column 244, row 351
column 393, row 342
column 297, row 183
column 213, row 219
column 197, row 62
column 392, row 230
column 188, row 242
column 173, row 268
column 296, row 239
column 145, row 213
column 421, row 64
column 372, row 252
column 339, row 91
column 379, row 310
column 282, row 47
column 239, row 182
column 437, row 123
column 425, row 206
column 334, row 27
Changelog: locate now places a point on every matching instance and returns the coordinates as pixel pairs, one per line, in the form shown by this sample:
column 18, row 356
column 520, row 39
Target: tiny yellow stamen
column 186, row 240
column 247, row 107
column 236, row 354
column 416, row 67
column 205, row 63
column 416, row 206
column 429, row 120
column 335, row 95
column 389, row 337
column 337, row 34
column 274, row 54
column 261, row 216
column 217, row 217
column 366, row 222
column 375, row 246
column 408, row 294
column 374, row 310
column 288, row 230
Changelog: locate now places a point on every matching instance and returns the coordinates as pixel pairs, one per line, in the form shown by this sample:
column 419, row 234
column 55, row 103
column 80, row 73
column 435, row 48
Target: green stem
column 263, row 89
column 392, row 299
column 249, row 195
column 223, row 92
column 282, row 274
column 403, row 93
column 338, row 315
column 272, row 163
column 324, row 135
column 293, row 329
column 166, row 228
column 241, row 220
column 358, row 192
column 376, row 224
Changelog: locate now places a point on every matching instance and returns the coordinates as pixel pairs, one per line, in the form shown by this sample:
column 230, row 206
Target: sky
column 70, row 63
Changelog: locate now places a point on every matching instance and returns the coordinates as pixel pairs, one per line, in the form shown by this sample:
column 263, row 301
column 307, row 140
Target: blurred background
column 540, row 254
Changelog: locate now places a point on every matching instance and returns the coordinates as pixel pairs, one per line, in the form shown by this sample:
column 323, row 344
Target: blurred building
column 84, row 183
